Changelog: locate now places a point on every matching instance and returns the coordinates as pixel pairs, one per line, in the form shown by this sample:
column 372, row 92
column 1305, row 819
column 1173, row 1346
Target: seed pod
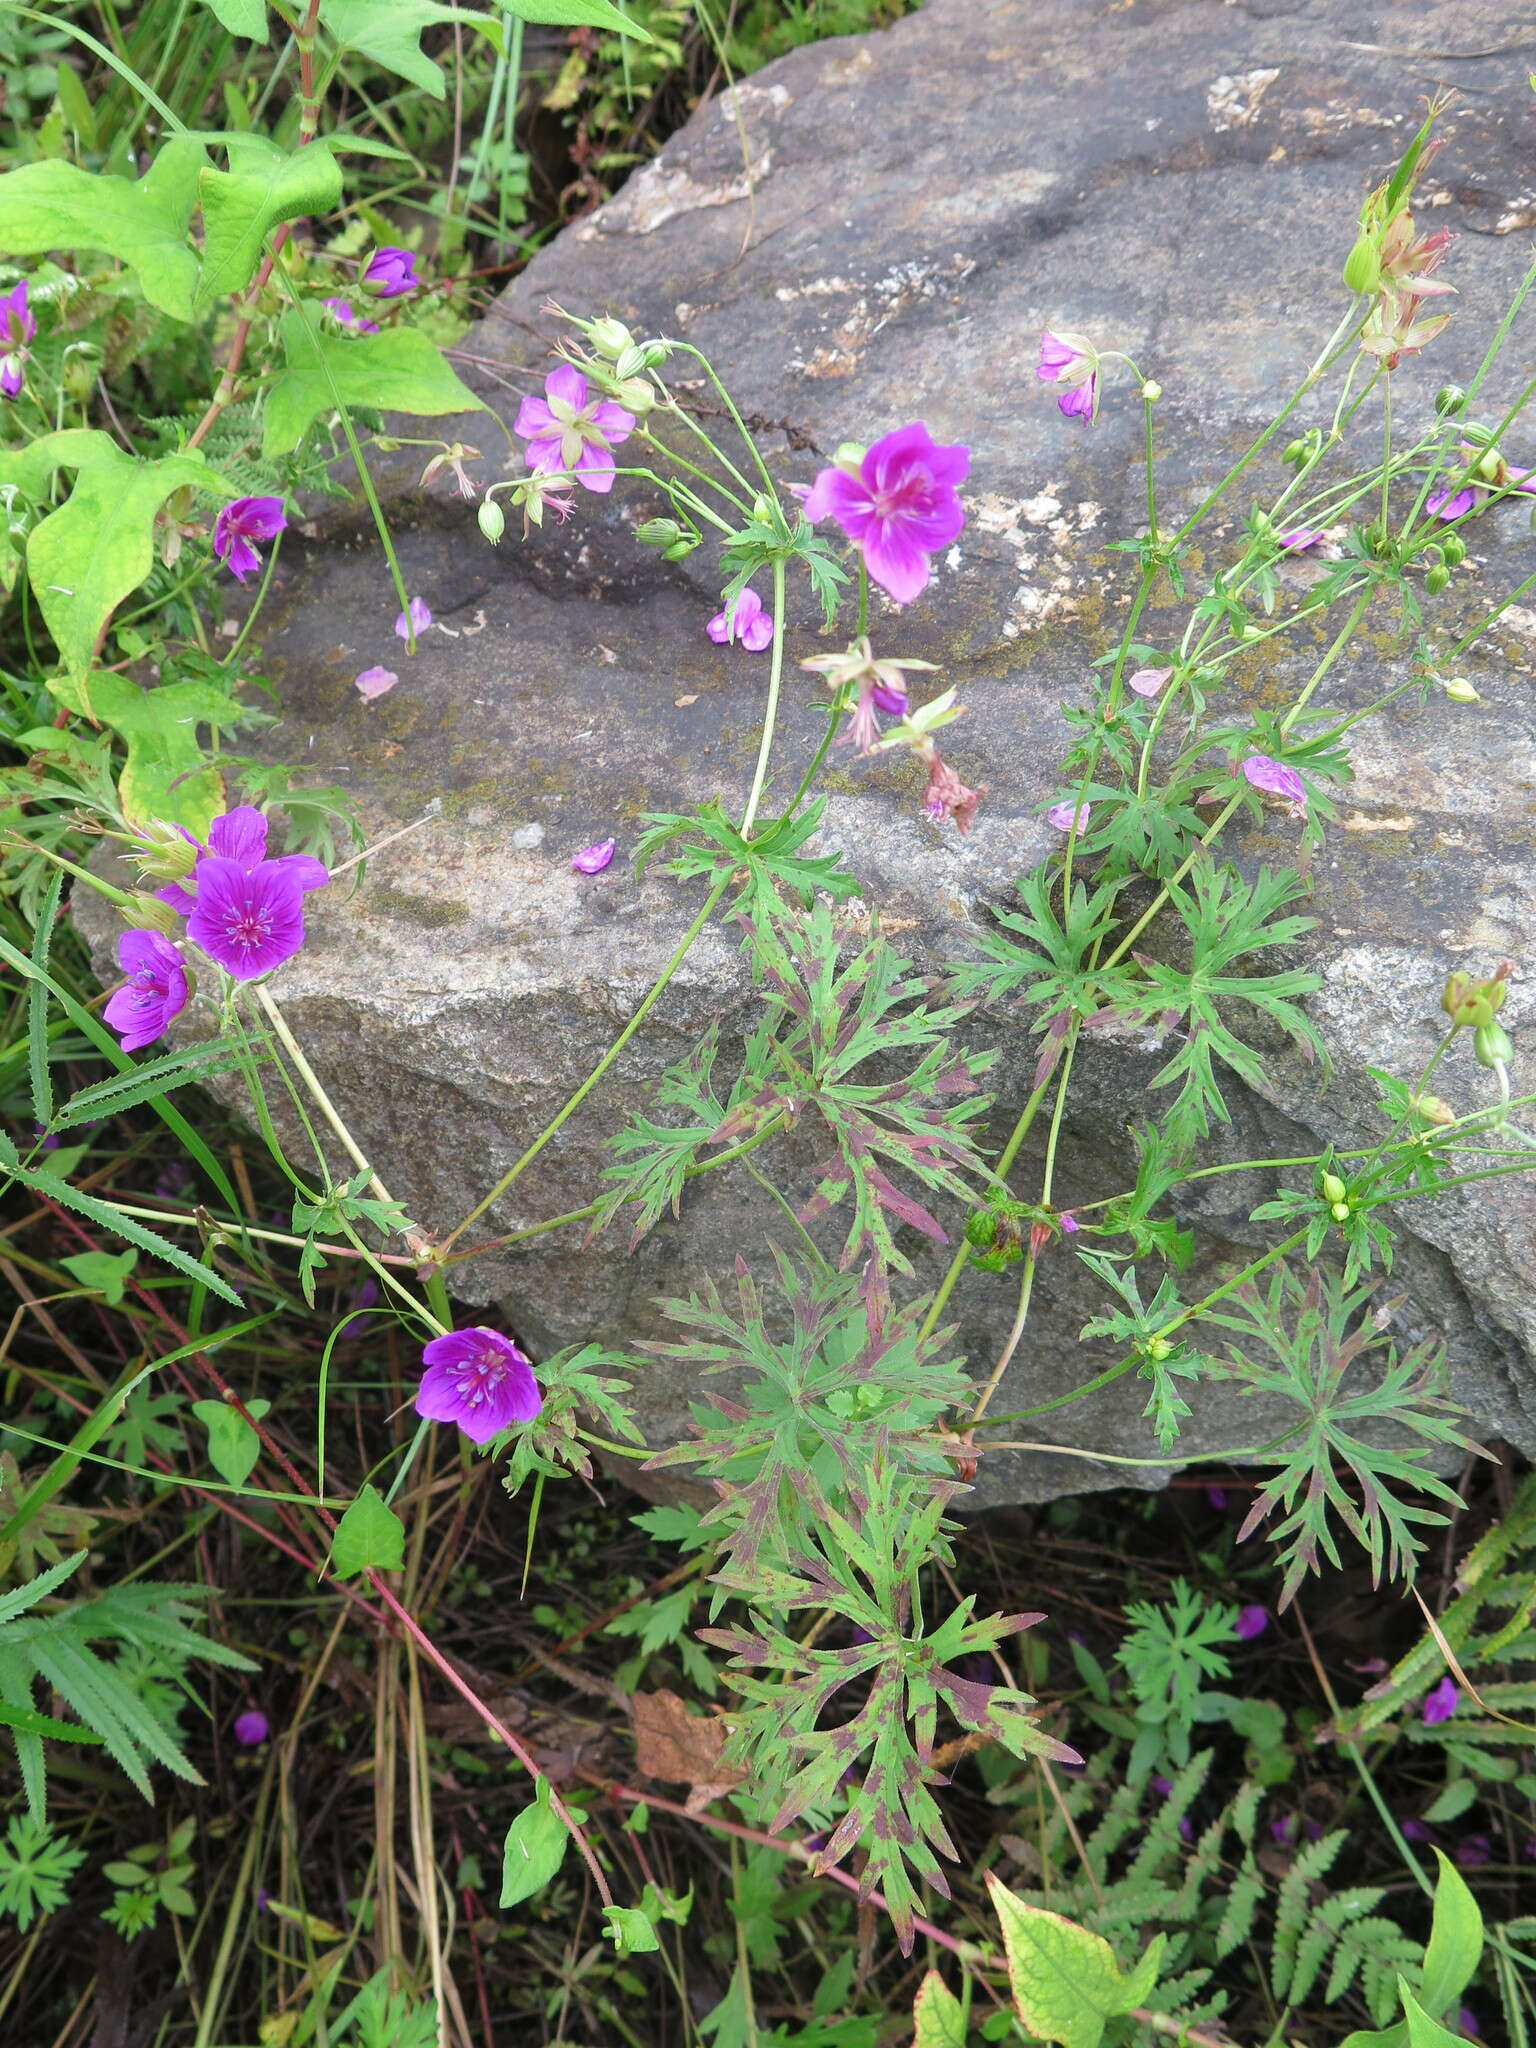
column 1362, row 266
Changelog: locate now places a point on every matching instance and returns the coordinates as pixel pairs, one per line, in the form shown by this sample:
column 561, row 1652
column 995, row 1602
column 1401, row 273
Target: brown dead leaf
column 682, row 1748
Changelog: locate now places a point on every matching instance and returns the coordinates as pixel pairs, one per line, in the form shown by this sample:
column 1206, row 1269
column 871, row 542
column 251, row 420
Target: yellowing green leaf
column 369, row 1537
column 1066, row 1982
column 399, row 371
column 165, row 774
column 55, row 205
column 937, row 2015
column 86, row 557
column 263, row 187
column 534, row 1849
column 389, row 32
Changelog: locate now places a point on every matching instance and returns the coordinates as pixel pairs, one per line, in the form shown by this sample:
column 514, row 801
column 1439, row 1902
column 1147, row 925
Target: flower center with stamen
column 249, row 927
column 477, row 1380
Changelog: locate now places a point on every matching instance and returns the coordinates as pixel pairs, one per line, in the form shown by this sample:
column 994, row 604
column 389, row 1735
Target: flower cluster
column 243, row 911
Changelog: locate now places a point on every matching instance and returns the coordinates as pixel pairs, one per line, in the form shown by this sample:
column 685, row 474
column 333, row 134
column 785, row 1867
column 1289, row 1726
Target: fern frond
column 1293, row 1908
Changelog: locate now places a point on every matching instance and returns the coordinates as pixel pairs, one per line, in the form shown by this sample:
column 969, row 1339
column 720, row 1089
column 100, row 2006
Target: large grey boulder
column 870, row 231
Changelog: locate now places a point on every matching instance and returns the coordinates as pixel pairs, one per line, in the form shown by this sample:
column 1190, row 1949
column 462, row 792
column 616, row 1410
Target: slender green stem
column 557, row 1122
column 771, row 714
column 1345, row 634
column 1147, row 440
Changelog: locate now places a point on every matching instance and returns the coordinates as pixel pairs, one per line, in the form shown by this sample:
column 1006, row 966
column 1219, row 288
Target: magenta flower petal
column 1063, row 817
column 1081, row 402
column 240, row 834
column 1056, row 356
column 533, row 418
column 1451, row 504
column 837, row 495
column 373, row 682
column 568, row 385
column 1251, row 1622
column 744, row 620
column 1273, row 776
column 18, row 324
column 900, row 509
column 478, row 1379
column 1303, row 538
column 1148, row 681
column 594, row 468
column 247, row 921
column 895, row 559
column 593, row 859
column 615, row 422
column 252, row 1728
column 416, row 618
column 308, row 872
column 1440, row 1702
column 544, row 456
column 156, row 992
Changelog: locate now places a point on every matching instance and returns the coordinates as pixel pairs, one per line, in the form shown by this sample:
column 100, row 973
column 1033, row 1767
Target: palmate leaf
column 577, row 1386
column 827, row 1016
column 655, row 1159
column 1317, row 1344
column 1227, row 921
column 704, row 845
column 847, row 1373
column 861, row 1565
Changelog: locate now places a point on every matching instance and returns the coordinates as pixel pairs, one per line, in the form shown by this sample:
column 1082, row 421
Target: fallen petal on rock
column 373, row 682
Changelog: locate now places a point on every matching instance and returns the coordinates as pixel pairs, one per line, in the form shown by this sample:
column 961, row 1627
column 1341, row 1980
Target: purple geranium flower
column 247, row 920
column 1441, row 1701
column 156, row 990
column 1416, row 1830
column 1473, row 1851
column 593, row 859
column 391, row 273
column 571, row 432
column 252, row 1728
column 1071, row 361
column 341, row 312
column 237, row 525
column 478, row 1379
column 900, row 508
column 416, row 618
column 1251, row 1622
column 1274, row 776
column 1064, row 817
column 1217, row 1498
column 240, row 835
column 17, row 327
column 746, row 621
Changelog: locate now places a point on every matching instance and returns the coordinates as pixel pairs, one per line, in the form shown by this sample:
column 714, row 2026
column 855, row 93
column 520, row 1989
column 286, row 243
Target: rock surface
column 869, row 231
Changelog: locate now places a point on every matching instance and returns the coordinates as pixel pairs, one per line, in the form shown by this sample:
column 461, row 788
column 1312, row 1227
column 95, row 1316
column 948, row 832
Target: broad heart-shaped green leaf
column 389, row 32
column 577, row 14
column 233, row 1446
column 165, row 774
column 937, row 2015
column 105, row 1273
column 246, row 18
column 1066, row 1982
column 369, row 1537
column 263, row 187
column 55, row 205
column 534, row 1849
column 86, row 557
column 400, row 371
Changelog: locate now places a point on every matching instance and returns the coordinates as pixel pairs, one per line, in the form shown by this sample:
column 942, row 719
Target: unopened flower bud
column 1460, row 691
column 981, row 1229
column 1450, row 399
column 658, row 533
column 1433, row 1110
column 682, row 547
column 149, row 914
column 1453, row 550
column 849, row 455
column 1477, row 434
column 1151, row 391
column 493, row 521
column 636, row 395
column 1334, row 1189
column 1436, row 579
column 1492, row 1045
column 1362, row 266
column 1339, row 1211
column 610, row 337
column 1296, row 451
column 163, row 852
column 1158, row 1348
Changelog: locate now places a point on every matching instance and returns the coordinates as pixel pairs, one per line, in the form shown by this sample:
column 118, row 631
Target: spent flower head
column 1071, row 363
column 744, row 620
column 454, row 456
column 241, row 523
